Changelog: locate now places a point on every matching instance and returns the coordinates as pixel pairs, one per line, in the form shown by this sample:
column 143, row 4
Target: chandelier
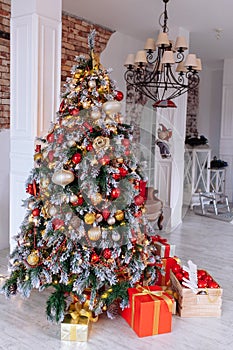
column 156, row 73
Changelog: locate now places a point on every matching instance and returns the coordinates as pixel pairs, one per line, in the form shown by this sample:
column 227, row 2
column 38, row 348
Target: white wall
column 210, row 101
column 114, row 56
column 4, row 188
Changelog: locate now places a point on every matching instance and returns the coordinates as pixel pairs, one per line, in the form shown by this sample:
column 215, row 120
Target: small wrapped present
column 75, row 330
column 165, row 249
column 76, row 323
column 164, row 275
column 149, row 311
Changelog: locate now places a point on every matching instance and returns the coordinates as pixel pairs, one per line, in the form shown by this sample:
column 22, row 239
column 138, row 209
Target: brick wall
column 74, row 42
column 5, row 6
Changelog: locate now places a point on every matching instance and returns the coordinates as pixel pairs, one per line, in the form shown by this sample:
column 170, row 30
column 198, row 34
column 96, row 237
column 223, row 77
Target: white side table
column 217, row 180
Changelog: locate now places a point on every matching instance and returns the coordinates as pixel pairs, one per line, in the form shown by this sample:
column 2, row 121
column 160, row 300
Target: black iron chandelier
column 157, row 74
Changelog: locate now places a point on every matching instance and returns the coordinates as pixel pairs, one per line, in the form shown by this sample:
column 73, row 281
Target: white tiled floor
column 207, row 242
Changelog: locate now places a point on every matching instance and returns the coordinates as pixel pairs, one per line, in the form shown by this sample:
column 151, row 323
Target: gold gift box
column 75, row 330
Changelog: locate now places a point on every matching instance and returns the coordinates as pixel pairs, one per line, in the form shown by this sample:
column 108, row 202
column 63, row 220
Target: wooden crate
column 206, row 303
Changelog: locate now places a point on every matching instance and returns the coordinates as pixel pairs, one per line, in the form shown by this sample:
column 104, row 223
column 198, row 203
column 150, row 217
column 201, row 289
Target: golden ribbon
column 155, row 295
column 215, row 297
column 77, row 309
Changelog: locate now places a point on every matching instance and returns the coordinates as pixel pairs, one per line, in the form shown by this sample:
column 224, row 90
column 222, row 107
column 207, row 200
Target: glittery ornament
column 96, row 198
column 101, row 143
column 96, row 114
column 107, row 253
column 33, row 258
column 94, row 258
column 94, row 233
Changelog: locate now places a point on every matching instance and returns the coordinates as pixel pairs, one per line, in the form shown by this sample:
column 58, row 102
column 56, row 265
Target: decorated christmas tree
column 85, row 235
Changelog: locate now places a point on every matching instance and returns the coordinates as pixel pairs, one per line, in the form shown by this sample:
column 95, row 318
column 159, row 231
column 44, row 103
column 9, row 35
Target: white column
column 35, row 89
column 226, row 134
column 169, row 173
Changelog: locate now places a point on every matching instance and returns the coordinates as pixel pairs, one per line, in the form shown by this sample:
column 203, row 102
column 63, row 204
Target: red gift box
column 165, row 249
column 149, row 311
column 167, row 264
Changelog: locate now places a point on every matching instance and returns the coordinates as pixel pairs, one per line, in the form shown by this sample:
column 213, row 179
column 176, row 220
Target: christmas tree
column 85, row 231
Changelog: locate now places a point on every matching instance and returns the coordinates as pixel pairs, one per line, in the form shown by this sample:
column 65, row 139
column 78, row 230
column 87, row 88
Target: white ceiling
column 139, row 18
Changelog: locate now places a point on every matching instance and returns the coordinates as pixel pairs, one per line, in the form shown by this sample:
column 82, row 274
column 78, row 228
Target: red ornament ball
column 60, row 139
column 115, row 193
column 105, row 160
column 50, row 137
column 107, row 253
column 74, row 111
column 89, row 147
column 123, row 171
column 76, row 158
column 57, row 223
column 125, row 142
column 119, row 96
column 127, row 152
column 116, row 176
column 36, row 212
column 79, row 201
column 138, row 200
column 51, row 155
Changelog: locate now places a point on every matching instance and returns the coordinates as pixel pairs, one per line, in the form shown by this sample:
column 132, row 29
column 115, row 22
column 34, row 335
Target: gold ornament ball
column 89, row 218
column 33, row 258
column 119, row 215
column 63, row 177
column 37, row 157
column 94, row 233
